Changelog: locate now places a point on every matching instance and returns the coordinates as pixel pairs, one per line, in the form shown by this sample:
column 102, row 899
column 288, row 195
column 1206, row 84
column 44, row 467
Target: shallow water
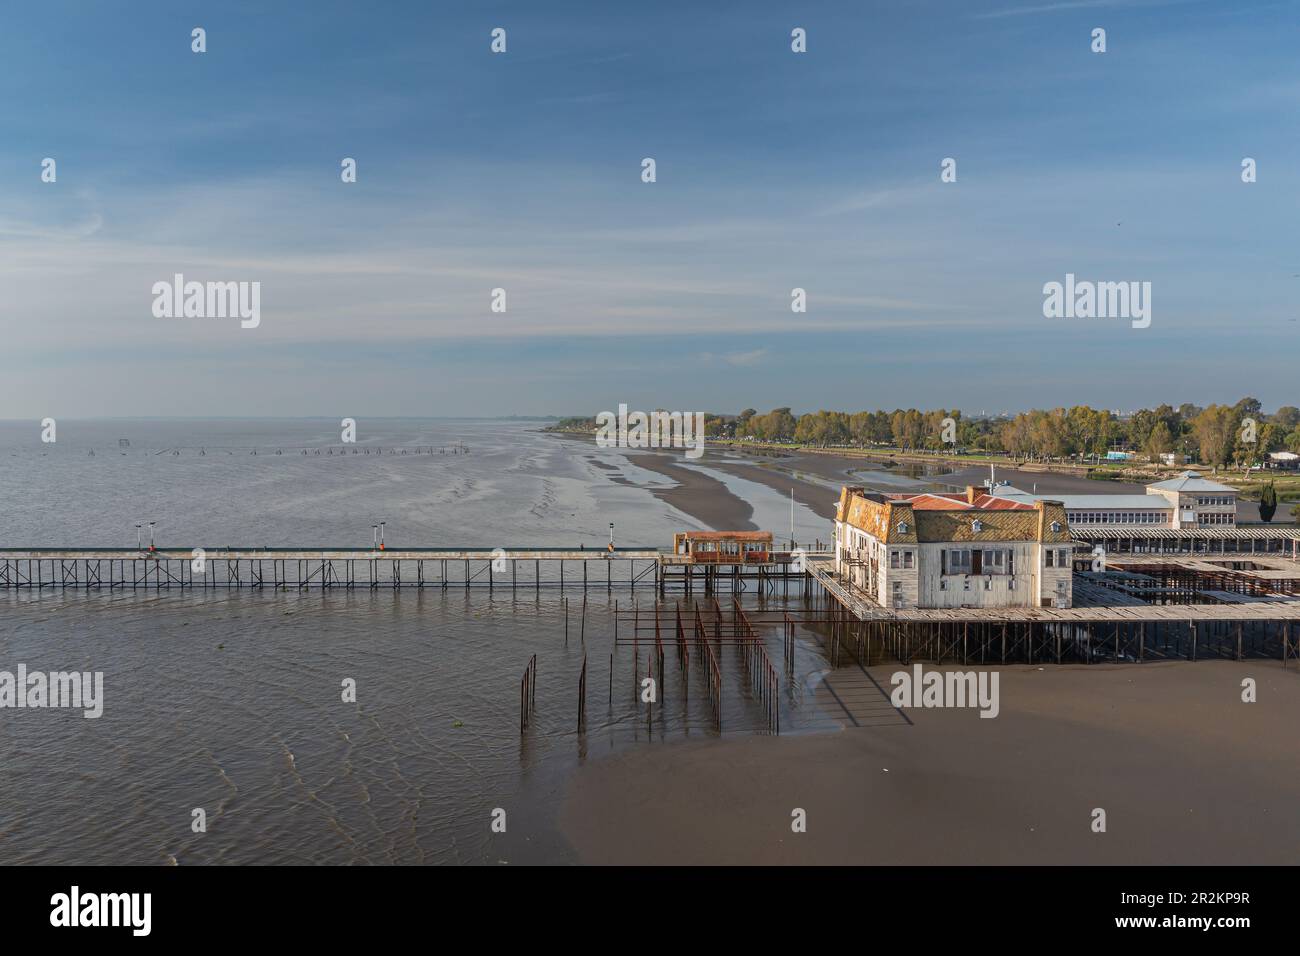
column 232, row 702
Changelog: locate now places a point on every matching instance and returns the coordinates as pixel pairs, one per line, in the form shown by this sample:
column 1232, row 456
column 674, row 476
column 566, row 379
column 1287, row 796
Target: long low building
column 953, row 550
column 1188, row 501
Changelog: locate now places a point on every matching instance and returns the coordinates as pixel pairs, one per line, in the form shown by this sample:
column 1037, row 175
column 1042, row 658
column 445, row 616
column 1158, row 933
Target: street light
column 374, row 531
column 611, row 536
column 381, row 534
column 139, row 543
column 151, row 547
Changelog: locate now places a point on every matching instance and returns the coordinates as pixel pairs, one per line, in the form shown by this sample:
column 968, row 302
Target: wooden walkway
column 865, row 609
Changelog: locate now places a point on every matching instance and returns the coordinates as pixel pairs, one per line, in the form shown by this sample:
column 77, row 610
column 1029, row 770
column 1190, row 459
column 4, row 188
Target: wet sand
column 817, row 498
column 1186, row 772
column 704, row 498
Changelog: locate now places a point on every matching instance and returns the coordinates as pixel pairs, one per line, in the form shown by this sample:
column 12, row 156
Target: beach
column 1185, row 772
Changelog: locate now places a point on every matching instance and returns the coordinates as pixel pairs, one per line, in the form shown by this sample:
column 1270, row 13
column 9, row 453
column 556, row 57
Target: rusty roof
column 911, row 518
column 727, row 535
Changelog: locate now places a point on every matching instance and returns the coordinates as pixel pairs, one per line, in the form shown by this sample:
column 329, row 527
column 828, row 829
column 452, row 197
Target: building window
column 893, row 559
column 1051, row 557
column 907, row 559
column 956, row 561
column 1063, row 559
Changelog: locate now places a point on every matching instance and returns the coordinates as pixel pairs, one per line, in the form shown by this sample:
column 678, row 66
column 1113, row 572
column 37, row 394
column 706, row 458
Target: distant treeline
column 1214, row 435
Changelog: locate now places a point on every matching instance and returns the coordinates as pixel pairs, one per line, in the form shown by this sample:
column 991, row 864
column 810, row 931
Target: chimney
column 971, row 494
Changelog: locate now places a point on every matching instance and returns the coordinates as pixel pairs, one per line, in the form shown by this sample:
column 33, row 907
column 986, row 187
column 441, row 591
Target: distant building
column 1199, row 502
column 953, row 550
column 1188, row 501
column 1287, row 460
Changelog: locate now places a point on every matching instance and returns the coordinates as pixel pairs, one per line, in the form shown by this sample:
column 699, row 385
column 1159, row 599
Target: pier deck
column 1109, row 606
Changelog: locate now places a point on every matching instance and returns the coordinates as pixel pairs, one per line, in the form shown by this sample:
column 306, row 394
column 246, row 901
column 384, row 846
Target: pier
column 1176, row 599
column 515, row 568
column 326, row 567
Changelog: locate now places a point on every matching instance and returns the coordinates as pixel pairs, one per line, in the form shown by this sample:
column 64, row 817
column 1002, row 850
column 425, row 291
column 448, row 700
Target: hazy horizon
column 522, row 170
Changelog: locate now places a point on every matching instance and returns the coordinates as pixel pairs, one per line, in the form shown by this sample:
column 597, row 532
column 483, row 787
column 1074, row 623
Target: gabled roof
column 1190, row 481
column 927, row 517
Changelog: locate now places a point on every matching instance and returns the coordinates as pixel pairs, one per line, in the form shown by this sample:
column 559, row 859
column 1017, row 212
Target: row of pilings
column 1058, row 642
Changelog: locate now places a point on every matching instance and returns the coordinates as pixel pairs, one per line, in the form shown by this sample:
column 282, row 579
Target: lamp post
column 139, row 542
column 374, row 533
column 151, row 547
column 611, row 537
column 381, row 534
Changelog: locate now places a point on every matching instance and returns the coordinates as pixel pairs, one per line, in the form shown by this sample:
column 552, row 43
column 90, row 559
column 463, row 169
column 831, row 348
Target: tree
column 1267, row 502
column 776, row 425
column 1159, row 442
column 1286, row 418
column 1215, row 431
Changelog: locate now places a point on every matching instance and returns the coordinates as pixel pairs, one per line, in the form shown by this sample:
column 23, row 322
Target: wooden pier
column 515, row 568
column 344, row 568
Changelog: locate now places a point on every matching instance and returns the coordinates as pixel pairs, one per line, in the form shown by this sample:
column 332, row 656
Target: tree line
column 1214, row 435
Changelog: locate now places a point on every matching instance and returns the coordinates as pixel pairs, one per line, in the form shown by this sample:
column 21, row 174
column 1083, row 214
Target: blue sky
column 522, row 171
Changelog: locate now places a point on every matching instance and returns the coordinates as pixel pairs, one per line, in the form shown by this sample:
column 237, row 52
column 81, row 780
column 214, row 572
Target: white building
column 953, row 550
column 1188, row 501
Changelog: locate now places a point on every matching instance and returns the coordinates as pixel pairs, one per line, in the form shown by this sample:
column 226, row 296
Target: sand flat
column 1187, row 774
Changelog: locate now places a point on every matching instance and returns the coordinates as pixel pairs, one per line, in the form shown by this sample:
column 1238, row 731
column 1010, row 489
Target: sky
column 522, row 171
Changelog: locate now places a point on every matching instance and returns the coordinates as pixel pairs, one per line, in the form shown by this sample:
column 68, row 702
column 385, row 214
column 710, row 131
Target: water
column 232, row 701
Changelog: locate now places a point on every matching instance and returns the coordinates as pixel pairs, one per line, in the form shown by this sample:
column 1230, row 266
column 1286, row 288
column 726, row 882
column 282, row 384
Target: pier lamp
column 381, row 534
column 151, row 547
column 611, row 536
column 139, row 543
column 374, row 531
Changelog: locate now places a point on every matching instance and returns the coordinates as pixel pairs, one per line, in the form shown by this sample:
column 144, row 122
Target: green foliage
column 1268, row 502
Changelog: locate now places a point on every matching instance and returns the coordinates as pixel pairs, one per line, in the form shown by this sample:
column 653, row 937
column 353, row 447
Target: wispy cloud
column 1074, row 5
column 745, row 359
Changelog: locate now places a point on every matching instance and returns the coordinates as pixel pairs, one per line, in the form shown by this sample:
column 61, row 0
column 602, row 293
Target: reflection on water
column 233, row 703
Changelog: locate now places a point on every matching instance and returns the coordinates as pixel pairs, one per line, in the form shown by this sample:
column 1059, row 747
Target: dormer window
column 902, row 527
column 1056, row 527
column 977, row 526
